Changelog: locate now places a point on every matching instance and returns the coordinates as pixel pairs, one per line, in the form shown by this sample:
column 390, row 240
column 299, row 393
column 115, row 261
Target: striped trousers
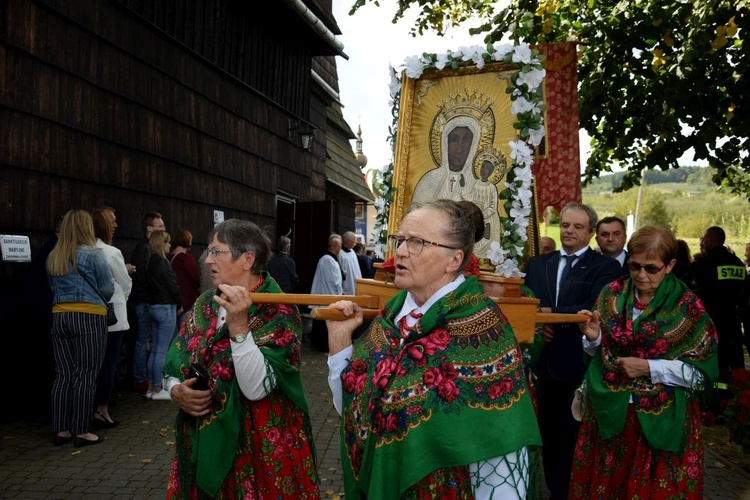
column 79, row 341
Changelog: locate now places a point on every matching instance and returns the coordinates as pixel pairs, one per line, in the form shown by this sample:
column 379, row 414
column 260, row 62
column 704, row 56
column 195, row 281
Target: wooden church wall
column 99, row 106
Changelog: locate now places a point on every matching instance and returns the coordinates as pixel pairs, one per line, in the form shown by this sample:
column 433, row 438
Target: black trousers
column 559, row 432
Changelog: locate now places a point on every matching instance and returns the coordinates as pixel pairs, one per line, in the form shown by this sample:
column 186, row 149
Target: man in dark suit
column 610, row 236
column 565, row 282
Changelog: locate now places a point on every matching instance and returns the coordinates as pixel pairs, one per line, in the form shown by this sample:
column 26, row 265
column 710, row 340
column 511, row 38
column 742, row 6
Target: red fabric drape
column 558, row 173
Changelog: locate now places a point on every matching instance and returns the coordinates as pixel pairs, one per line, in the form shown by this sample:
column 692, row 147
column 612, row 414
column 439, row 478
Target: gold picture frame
column 454, row 130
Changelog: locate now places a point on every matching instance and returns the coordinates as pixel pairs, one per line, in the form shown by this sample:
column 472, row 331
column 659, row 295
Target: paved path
column 134, row 460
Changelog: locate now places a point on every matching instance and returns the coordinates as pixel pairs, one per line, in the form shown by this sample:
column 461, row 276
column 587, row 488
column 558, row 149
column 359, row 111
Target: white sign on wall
column 218, row 216
column 15, row 248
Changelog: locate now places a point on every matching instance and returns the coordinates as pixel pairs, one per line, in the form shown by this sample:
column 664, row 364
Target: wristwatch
column 239, row 338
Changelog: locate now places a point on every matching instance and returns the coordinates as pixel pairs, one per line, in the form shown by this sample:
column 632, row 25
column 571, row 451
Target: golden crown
column 465, row 103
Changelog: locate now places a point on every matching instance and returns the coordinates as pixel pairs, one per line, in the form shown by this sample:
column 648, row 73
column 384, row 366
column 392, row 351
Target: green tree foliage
column 654, row 212
column 657, row 77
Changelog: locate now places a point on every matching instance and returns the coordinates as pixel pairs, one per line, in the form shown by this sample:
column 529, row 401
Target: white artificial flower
column 380, row 250
column 380, row 204
column 521, row 105
column 531, row 78
column 524, row 193
column 521, row 152
column 496, row 254
column 386, row 168
column 522, row 174
column 509, row 269
column 536, row 136
column 522, row 54
column 501, row 51
column 519, row 212
column 414, row 67
column 394, row 87
column 467, row 53
column 475, row 54
column 443, row 60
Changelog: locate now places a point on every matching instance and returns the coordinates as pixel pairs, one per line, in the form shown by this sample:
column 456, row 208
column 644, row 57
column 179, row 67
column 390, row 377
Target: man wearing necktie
column 565, row 282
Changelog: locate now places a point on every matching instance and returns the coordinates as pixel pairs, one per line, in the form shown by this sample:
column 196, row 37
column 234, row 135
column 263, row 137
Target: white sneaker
column 161, row 396
column 148, row 395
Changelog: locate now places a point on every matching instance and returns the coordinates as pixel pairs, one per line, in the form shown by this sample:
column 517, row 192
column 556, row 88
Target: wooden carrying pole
column 371, row 307
column 303, row 299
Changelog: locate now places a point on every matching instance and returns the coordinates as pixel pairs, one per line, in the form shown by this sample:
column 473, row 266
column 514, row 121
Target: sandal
column 99, row 421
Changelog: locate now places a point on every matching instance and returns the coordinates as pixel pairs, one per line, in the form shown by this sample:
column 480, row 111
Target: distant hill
column 694, row 176
column 685, row 199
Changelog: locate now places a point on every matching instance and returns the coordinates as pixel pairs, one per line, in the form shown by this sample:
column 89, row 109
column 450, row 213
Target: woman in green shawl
column 653, row 347
column 248, row 434
column 433, row 399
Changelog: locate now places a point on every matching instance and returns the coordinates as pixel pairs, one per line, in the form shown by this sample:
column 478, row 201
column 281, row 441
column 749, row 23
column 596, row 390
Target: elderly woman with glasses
column 653, row 347
column 433, row 400
column 243, row 429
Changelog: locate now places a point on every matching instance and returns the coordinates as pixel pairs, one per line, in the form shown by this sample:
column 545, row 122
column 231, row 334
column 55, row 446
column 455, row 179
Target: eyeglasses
column 650, row 268
column 214, row 252
column 414, row 245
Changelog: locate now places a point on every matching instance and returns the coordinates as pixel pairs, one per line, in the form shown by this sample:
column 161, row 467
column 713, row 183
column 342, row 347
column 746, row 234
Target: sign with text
column 15, row 248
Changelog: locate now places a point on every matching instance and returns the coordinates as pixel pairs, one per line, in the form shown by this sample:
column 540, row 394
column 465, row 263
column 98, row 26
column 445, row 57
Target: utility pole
column 637, row 222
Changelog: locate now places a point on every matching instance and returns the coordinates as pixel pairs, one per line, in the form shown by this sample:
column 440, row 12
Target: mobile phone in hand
column 199, row 372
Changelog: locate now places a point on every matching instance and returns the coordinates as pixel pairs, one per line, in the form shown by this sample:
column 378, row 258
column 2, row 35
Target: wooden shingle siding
column 150, row 106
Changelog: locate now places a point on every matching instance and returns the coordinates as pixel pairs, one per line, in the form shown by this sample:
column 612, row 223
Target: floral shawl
column 275, row 329
column 453, row 394
column 675, row 325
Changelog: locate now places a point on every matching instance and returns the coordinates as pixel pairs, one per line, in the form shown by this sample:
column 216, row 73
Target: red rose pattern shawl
column 416, row 415
column 243, row 448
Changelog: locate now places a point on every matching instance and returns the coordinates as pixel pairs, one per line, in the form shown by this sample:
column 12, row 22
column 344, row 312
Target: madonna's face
column 459, row 145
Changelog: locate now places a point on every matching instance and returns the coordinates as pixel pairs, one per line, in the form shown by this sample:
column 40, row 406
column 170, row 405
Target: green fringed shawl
column 675, row 325
column 454, row 394
column 275, row 329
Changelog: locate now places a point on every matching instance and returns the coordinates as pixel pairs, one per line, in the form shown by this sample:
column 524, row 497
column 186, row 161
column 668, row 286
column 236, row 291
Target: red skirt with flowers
column 452, row 483
column 625, row 466
column 273, row 459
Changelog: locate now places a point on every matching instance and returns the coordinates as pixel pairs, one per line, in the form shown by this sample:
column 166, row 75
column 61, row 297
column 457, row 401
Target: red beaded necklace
column 641, row 306
column 404, row 328
column 260, row 282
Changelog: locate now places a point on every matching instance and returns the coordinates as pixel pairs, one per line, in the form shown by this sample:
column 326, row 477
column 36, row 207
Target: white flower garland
column 528, row 108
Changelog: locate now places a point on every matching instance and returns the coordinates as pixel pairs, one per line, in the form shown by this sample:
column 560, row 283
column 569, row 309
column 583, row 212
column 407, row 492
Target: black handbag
column 111, row 316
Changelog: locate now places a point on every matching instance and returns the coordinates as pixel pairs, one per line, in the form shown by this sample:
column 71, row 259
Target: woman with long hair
column 164, row 300
column 82, row 284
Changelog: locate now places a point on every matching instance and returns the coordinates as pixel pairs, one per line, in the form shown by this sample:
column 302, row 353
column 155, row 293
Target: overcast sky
column 372, row 42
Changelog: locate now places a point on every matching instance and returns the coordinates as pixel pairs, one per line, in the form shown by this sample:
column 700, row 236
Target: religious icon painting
column 454, row 130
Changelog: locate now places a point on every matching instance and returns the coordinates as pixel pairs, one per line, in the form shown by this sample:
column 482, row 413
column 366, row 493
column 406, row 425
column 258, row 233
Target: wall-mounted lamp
column 305, row 132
